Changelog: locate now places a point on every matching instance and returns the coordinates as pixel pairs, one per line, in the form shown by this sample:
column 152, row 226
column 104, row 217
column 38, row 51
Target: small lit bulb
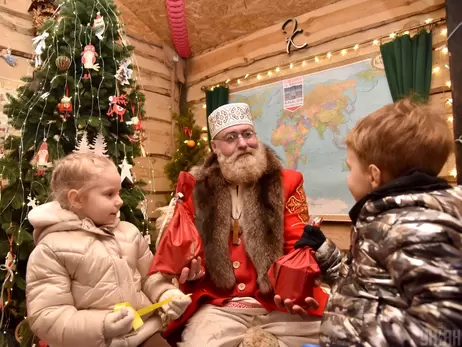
column 204, row 106
column 246, row 75
column 278, row 69
column 238, row 81
column 392, row 35
column 445, row 50
column 453, row 172
column 448, row 84
column 428, row 21
column 450, row 119
column 444, row 32
column 343, row 52
column 291, row 65
column 316, row 59
column 269, row 73
column 375, row 42
column 356, row 47
column 227, row 81
column 258, row 77
column 329, row 55
column 436, row 69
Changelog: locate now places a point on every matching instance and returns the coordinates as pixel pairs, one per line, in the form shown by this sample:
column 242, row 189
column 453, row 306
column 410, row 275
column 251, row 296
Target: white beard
column 243, row 167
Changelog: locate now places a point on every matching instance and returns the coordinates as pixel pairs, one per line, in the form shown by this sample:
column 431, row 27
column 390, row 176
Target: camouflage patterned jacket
column 401, row 282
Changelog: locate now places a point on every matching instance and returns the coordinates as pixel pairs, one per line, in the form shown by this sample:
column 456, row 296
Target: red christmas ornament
column 115, row 108
column 65, row 106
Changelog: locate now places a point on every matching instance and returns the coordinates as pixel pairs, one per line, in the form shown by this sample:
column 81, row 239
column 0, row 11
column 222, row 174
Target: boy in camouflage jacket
column 401, row 282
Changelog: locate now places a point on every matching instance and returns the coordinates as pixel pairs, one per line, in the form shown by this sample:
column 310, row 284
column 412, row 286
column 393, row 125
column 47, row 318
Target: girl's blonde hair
column 76, row 171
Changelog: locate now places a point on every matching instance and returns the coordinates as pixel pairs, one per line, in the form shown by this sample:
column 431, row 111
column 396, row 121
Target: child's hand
column 295, row 309
column 180, row 303
column 118, row 323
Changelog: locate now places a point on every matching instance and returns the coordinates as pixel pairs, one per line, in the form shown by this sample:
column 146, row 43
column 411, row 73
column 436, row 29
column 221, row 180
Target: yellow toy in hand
column 137, row 321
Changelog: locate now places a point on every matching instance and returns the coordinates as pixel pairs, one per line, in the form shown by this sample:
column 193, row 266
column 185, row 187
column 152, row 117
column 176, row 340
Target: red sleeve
column 296, row 214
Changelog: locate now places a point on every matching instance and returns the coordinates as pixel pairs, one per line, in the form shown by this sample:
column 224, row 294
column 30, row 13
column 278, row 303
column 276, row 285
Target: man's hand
column 195, row 272
column 296, row 309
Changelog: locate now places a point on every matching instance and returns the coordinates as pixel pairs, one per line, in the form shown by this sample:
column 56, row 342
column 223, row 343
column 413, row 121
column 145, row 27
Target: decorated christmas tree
column 191, row 146
column 82, row 98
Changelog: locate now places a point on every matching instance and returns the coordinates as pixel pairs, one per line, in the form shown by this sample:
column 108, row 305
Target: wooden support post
column 454, row 18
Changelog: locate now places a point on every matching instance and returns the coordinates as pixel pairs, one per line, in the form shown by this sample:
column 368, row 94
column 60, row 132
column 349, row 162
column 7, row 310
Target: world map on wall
column 307, row 129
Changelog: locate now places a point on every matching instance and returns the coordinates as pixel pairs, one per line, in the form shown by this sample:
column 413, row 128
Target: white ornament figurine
column 99, row 26
column 38, row 43
column 125, row 170
column 32, row 202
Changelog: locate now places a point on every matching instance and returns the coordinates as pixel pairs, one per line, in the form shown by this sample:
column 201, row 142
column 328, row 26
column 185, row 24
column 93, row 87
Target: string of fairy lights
column 314, row 61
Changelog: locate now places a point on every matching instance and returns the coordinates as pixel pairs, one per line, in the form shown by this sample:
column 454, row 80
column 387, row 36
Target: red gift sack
column 292, row 277
column 181, row 241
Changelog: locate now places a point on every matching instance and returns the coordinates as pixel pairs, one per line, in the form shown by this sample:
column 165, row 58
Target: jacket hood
column 51, row 217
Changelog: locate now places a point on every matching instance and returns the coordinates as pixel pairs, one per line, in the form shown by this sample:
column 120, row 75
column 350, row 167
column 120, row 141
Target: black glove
column 312, row 237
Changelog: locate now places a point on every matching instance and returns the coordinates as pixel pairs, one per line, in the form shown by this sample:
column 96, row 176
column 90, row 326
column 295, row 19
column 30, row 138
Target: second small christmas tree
column 191, row 146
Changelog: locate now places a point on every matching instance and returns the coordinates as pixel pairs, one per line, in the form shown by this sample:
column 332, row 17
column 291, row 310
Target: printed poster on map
column 293, row 93
column 311, row 138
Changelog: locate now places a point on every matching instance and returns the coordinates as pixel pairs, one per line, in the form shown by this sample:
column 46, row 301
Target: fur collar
column 262, row 222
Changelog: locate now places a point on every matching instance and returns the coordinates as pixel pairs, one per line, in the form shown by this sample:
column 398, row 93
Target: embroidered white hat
column 228, row 115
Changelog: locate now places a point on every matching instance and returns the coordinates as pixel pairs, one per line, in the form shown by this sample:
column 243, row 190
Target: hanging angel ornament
column 9, row 58
column 99, row 26
column 89, row 59
column 39, row 45
column 41, row 159
column 115, row 106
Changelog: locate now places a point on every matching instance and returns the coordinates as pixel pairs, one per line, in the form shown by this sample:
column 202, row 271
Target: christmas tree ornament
column 65, row 106
column 190, row 143
column 125, row 172
column 38, row 43
column 89, row 59
column 63, row 63
column 9, row 58
column 41, row 159
column 99, row 146
column 124, row 74
column 115, row 107
column 99, row 26
column 83, row 146
column 33, row 203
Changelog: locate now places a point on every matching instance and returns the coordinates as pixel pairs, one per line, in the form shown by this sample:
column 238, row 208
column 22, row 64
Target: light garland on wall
column 327, row 55
column 316, row 59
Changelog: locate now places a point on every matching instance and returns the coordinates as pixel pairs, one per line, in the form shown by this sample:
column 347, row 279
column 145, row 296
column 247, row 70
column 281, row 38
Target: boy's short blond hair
column 402, row 136
column 76, row 171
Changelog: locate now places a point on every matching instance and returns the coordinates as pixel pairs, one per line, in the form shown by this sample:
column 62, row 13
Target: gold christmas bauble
column 63, row 63
column 191, row 143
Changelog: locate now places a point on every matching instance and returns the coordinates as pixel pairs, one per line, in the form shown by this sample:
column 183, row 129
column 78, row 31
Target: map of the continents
column 311, row 139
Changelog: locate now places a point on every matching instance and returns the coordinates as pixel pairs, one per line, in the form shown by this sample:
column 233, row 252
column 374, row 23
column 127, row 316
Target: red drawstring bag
column 292, row 277
column 181, row 241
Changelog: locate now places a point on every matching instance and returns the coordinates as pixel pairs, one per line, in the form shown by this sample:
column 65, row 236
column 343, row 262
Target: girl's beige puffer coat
column 78, row 272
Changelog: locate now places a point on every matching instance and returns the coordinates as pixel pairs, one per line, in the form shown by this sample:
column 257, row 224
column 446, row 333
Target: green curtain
column 215, row 98
column 408, row 66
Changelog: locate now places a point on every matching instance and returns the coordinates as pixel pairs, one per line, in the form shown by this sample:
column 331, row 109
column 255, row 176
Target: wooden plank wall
column 156, row 70
column 332, row 28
